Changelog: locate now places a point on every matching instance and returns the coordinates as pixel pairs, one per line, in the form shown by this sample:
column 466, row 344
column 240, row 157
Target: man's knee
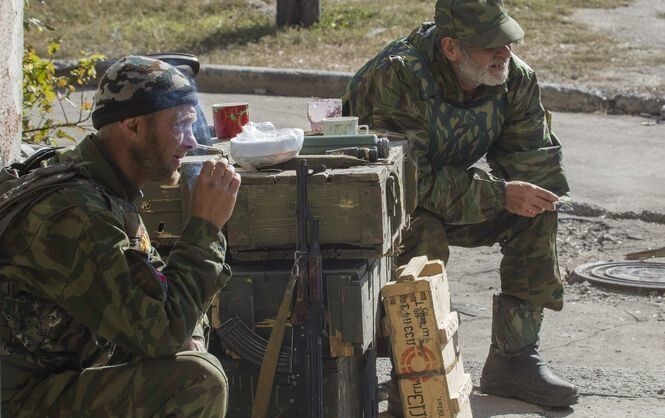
column 207, row 380
column 201, row 367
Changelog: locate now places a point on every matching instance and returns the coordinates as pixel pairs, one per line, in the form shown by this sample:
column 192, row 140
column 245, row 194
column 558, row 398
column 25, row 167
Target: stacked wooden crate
column 423, row 333
column 362, row 210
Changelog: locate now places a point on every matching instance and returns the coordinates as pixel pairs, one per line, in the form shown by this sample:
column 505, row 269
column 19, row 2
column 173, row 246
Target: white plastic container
column 260, row 145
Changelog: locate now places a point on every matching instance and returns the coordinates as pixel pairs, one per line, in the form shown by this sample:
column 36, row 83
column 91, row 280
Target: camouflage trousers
column 190, row 384
column 529, row 270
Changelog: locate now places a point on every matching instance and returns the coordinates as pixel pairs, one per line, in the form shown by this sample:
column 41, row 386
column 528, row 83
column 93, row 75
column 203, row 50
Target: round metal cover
column 634, row 274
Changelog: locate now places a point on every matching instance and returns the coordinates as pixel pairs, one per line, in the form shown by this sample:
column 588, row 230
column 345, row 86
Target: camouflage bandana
column 477, row 23
column 136, row 86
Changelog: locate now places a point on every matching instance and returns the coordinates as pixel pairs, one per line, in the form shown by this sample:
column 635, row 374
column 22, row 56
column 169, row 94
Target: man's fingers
column 213, row 170
column 215, row 173
column 546, row 195
column 220, row 167
column 527, row 199
column 543, row 205
column 235, row 183
column 228, row 174
column 207, row 169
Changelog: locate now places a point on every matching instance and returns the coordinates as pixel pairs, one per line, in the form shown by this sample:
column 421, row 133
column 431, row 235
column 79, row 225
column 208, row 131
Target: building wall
column 11, row 53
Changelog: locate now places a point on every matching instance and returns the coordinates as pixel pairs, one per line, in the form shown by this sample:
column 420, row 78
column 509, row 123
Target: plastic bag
column 260, row 145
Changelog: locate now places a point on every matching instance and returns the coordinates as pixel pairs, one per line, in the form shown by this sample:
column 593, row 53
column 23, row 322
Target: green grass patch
column 121, row 27
column 243, row 32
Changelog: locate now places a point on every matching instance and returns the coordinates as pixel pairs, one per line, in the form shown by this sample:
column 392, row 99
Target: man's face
column 169, row 137
column 487, row 66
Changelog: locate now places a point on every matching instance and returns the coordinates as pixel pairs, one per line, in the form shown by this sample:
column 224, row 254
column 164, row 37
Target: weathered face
column 487, row 66
column 169, row 137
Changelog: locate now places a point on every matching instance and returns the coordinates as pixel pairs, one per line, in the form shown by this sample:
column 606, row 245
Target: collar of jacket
column 101, row 168
column 425, row 40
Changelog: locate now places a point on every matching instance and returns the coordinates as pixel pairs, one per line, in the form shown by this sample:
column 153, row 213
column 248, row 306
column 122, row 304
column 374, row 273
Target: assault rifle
column 308, row 315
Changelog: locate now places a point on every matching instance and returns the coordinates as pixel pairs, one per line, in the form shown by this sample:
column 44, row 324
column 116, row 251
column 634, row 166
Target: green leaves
column 43, row 88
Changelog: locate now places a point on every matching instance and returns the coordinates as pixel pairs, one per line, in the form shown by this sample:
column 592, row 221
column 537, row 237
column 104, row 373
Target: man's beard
column 156, row 166
column 474, row 73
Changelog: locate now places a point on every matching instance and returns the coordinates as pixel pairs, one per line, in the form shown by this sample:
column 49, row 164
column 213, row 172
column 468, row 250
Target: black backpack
column 25, row 183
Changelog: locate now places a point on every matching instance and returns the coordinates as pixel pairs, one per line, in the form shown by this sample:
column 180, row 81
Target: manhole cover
column 634, row 274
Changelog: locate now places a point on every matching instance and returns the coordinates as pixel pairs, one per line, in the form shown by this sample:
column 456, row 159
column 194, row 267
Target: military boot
column 513, row 368
column 525, row 376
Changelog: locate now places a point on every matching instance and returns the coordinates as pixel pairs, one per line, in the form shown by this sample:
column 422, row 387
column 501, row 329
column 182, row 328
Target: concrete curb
column 287, row 82
column 232, row 79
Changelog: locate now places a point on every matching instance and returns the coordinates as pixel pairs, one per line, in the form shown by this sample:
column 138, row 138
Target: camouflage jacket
column 410, row 88
column 79, row 277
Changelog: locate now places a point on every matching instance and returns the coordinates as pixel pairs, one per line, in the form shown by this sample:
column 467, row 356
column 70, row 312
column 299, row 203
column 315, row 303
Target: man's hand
column 526, row 199
column 215, row 192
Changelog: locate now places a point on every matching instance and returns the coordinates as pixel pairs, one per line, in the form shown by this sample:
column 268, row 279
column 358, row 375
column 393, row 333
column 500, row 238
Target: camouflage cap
column 137, row 85
column 477, row 23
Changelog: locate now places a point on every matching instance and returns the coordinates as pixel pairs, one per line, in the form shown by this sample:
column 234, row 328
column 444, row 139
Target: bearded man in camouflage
column 458, row 93
column 94, row 324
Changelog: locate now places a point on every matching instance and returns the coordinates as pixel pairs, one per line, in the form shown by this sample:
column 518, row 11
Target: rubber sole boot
column 525, row 376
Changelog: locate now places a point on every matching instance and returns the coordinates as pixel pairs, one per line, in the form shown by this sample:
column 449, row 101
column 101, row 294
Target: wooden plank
column 338, row 348
column 433, row 268
column 456, row 376
column 450, row 355
column 450, row 327
column 460, row 400
column 413, row 269
column 334, row 286
column 643, row 255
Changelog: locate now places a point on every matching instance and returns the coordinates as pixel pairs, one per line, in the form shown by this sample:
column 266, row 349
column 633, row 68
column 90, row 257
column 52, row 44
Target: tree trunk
column 11, row 76
column 298, row 12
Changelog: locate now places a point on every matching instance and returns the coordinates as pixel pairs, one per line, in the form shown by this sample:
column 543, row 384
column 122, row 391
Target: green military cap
column 477, row 23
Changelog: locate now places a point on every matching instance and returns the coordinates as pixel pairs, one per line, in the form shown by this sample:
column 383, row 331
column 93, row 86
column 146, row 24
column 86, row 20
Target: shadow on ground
column 225, row 36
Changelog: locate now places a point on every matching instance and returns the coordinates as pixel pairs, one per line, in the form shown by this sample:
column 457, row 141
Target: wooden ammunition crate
column 344, row 387
column 359, row 206
column 352, row 287
column 423, row 335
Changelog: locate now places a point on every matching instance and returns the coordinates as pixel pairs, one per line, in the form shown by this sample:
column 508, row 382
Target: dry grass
column 242, row 32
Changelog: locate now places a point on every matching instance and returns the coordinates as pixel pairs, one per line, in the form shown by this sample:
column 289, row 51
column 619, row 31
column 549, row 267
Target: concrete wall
column 11, row 53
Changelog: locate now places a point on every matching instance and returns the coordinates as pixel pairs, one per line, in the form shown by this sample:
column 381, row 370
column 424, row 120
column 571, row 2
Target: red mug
column 229, row 118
